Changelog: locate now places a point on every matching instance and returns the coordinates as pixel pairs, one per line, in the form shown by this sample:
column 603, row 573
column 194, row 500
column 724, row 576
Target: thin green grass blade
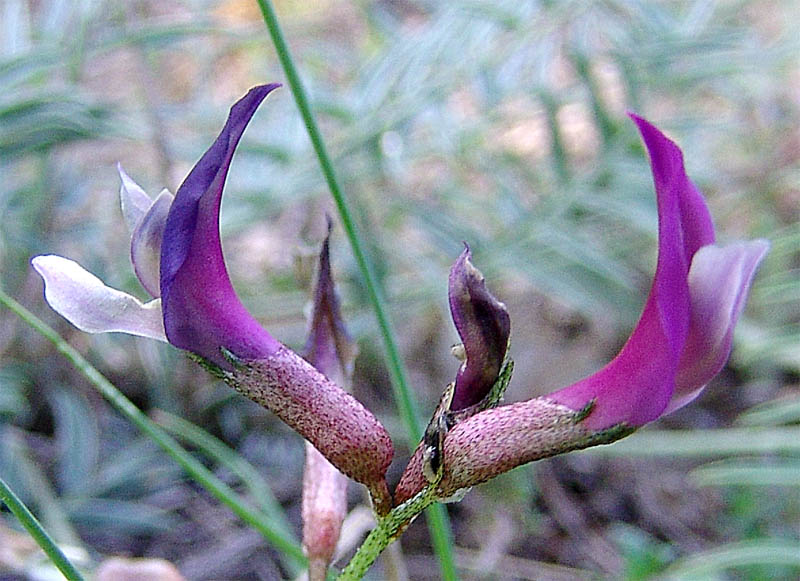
column 221, row 453
column 771, row 413
column 748, row 472
column 255, row 518
column 437, row 518
column 38, row 533
column 706, row 564
column 37, row 489
column 405, row 399
column 703, row 443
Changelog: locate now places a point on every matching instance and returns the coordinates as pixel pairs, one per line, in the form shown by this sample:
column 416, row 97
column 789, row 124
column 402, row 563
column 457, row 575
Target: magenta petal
column 636, row 387
column 484, row 326
column 202, row 313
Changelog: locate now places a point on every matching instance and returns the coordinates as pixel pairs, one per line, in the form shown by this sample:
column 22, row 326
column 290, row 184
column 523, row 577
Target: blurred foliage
column 501, row 123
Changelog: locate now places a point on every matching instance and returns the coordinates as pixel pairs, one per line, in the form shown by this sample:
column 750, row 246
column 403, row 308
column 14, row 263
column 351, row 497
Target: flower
column 177, row 256
column 681, row 341
column 484, row 326
column 201, row 310
column 332, row 352
column 685, row 332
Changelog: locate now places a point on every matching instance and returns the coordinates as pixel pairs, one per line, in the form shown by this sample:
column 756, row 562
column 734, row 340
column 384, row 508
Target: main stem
column 389, row 528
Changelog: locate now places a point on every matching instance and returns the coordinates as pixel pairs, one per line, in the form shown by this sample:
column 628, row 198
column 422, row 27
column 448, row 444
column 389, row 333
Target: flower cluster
column 177, row 255
column 681, row 341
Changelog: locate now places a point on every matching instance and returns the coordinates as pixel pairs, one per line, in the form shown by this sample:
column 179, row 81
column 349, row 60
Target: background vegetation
column 501, row 123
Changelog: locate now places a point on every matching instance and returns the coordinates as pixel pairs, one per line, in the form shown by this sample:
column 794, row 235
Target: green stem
column 437, row 517
column 193, row 467
column 38, row 533
column 388, row 529
column 442, row 539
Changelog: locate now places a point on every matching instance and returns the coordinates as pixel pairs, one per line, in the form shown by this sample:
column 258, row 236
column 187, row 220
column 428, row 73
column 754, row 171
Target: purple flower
column 682, row 340
column 484, row 326
column 685, row 332
column 329, row 347
column 332, row 352
column 177, row 256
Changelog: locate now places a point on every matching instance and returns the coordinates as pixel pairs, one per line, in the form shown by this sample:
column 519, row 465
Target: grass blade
column 437, row 518
column 194, row 468
column 707, row 564
column 219, row 452
column 35, row 529
column 703, row 443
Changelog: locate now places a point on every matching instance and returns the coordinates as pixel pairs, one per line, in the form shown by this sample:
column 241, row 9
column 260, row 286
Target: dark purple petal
column 329, row 347
column 484, row 326
column 202, row 313
column 636, row 387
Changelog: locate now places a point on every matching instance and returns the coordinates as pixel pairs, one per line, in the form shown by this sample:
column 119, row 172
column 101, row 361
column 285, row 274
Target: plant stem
column 222, row 492
column 437, row 517
column 38, row 533
column 386, row 532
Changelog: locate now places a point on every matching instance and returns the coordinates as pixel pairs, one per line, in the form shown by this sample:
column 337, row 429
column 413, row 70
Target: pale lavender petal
column 83, row 299
column 134, row 200
column 202, row 312
column 324, row 507
column 484, row 326
column 146, row 243
column 719, row 281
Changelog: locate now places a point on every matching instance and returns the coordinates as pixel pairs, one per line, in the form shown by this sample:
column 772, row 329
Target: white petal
column 134, row 200
column 83, row 299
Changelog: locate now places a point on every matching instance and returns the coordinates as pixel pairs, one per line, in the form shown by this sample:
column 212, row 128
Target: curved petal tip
column 484, row 326
column 202, row 312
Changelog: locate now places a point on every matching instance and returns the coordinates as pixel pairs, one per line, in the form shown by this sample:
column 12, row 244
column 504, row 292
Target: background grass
column 499, row 123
